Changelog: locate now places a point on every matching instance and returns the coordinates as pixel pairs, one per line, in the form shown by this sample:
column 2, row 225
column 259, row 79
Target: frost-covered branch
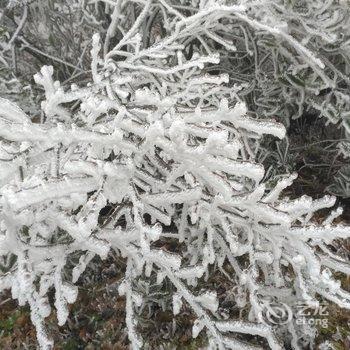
column 169, row 144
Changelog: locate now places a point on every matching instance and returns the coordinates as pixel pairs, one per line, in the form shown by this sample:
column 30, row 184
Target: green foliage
column 7, row 324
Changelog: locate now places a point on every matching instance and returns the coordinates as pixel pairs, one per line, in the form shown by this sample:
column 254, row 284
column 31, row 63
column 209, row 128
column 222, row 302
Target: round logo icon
column 276, row 313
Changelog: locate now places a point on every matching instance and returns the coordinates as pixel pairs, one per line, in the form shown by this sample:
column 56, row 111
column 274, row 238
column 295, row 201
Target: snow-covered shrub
column 291, row 57
column 165, row 145
column 33, row 33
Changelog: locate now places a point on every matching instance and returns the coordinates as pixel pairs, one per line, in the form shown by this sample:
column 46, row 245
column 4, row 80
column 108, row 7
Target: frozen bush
column 290, row 57
column 166, row 144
